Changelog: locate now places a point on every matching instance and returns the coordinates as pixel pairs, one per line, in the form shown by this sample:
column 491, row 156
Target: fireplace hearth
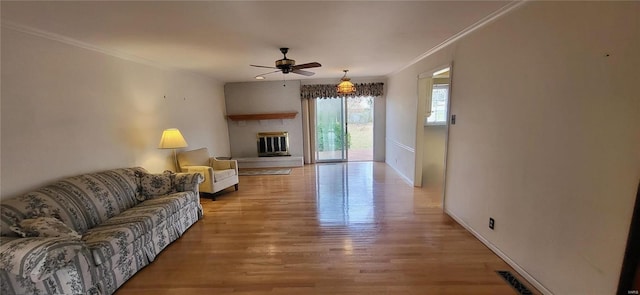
column 273, row 144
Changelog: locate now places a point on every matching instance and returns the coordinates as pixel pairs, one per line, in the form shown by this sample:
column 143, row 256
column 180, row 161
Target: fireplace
column 273, row 144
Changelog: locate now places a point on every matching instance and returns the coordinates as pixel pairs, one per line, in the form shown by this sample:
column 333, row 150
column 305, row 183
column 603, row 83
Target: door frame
column 631, row 262
column 419, row 144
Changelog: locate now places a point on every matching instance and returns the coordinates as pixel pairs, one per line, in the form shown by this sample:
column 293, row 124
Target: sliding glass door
column 344, row 129
column 331, row 130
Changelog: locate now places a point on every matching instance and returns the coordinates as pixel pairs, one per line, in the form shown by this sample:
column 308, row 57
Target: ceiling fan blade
column 257, row 66
column 304, row 73
column 269, row 73
column 306, row 66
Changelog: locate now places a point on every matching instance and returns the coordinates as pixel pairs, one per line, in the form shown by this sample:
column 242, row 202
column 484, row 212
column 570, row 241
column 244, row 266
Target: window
column 439, row 105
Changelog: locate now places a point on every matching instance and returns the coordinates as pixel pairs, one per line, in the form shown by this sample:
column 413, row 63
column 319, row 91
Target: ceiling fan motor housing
column 285, row 64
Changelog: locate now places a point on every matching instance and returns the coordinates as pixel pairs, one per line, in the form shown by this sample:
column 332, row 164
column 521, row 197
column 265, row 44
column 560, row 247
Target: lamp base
column 175, row 161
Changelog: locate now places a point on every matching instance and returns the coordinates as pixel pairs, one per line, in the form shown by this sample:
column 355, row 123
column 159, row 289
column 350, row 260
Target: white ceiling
column 220, row 39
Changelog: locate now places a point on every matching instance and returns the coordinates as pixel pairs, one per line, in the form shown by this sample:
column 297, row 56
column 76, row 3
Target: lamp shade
column 345, row 86
column 172, row 139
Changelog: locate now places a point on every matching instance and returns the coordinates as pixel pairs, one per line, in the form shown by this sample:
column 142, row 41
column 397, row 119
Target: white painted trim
column 447, row 144
column 479, row 24
column 403, row 146
column 107, row 51
column 431, row 73
column 501, row 254
column 404, row 177
column 70, row 41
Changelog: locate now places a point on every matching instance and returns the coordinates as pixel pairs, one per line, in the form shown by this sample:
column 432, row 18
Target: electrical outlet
column 492, row 223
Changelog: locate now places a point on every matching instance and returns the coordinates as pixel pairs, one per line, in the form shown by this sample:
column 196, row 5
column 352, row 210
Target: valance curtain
column 330, row 91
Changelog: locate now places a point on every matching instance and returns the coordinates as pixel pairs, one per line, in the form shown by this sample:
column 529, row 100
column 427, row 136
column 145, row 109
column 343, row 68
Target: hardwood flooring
column 354, row 228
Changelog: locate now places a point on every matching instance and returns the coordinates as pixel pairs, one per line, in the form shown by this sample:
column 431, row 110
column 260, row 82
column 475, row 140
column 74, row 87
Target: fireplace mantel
column 266, row 116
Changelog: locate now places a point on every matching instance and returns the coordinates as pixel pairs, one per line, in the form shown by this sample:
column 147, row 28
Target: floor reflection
column 345, row 194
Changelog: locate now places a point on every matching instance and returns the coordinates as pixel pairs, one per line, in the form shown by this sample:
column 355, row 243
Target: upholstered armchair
column 218, row 174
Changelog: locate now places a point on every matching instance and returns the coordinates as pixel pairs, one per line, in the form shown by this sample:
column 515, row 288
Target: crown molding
column 74, row 42
column 477, row 25
column 106, row 51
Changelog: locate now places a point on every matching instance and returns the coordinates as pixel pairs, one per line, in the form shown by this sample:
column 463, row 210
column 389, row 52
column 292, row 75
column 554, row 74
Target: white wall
column 402, row 114
column 66, row 110
column 546, row 140
column 263, row 97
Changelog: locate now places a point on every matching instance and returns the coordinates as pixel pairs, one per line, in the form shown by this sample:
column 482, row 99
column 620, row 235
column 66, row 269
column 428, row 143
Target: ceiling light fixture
column 259, row 77
column 345, row 86
column 441, row 72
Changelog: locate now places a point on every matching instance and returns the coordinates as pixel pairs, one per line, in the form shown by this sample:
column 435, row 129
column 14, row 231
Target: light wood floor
column 354, row 228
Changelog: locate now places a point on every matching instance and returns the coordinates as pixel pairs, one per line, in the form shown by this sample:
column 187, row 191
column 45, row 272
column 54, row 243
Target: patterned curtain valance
column 329, row 90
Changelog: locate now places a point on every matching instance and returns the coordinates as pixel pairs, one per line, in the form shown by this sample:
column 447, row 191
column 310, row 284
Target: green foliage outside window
column 324, row 130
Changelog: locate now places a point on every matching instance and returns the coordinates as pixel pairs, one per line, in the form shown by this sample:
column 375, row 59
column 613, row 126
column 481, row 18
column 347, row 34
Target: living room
column 545, row 94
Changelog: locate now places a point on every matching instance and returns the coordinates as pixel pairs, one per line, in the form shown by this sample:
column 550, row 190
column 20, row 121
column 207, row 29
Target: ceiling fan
column 286, row 65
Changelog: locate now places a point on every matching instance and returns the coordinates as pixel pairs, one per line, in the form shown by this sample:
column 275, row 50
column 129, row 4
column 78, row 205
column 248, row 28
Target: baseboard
column 401, row 175
column 501, row 254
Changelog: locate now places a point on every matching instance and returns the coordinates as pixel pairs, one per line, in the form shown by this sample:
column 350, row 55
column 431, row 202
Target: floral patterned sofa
column 90, row 233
